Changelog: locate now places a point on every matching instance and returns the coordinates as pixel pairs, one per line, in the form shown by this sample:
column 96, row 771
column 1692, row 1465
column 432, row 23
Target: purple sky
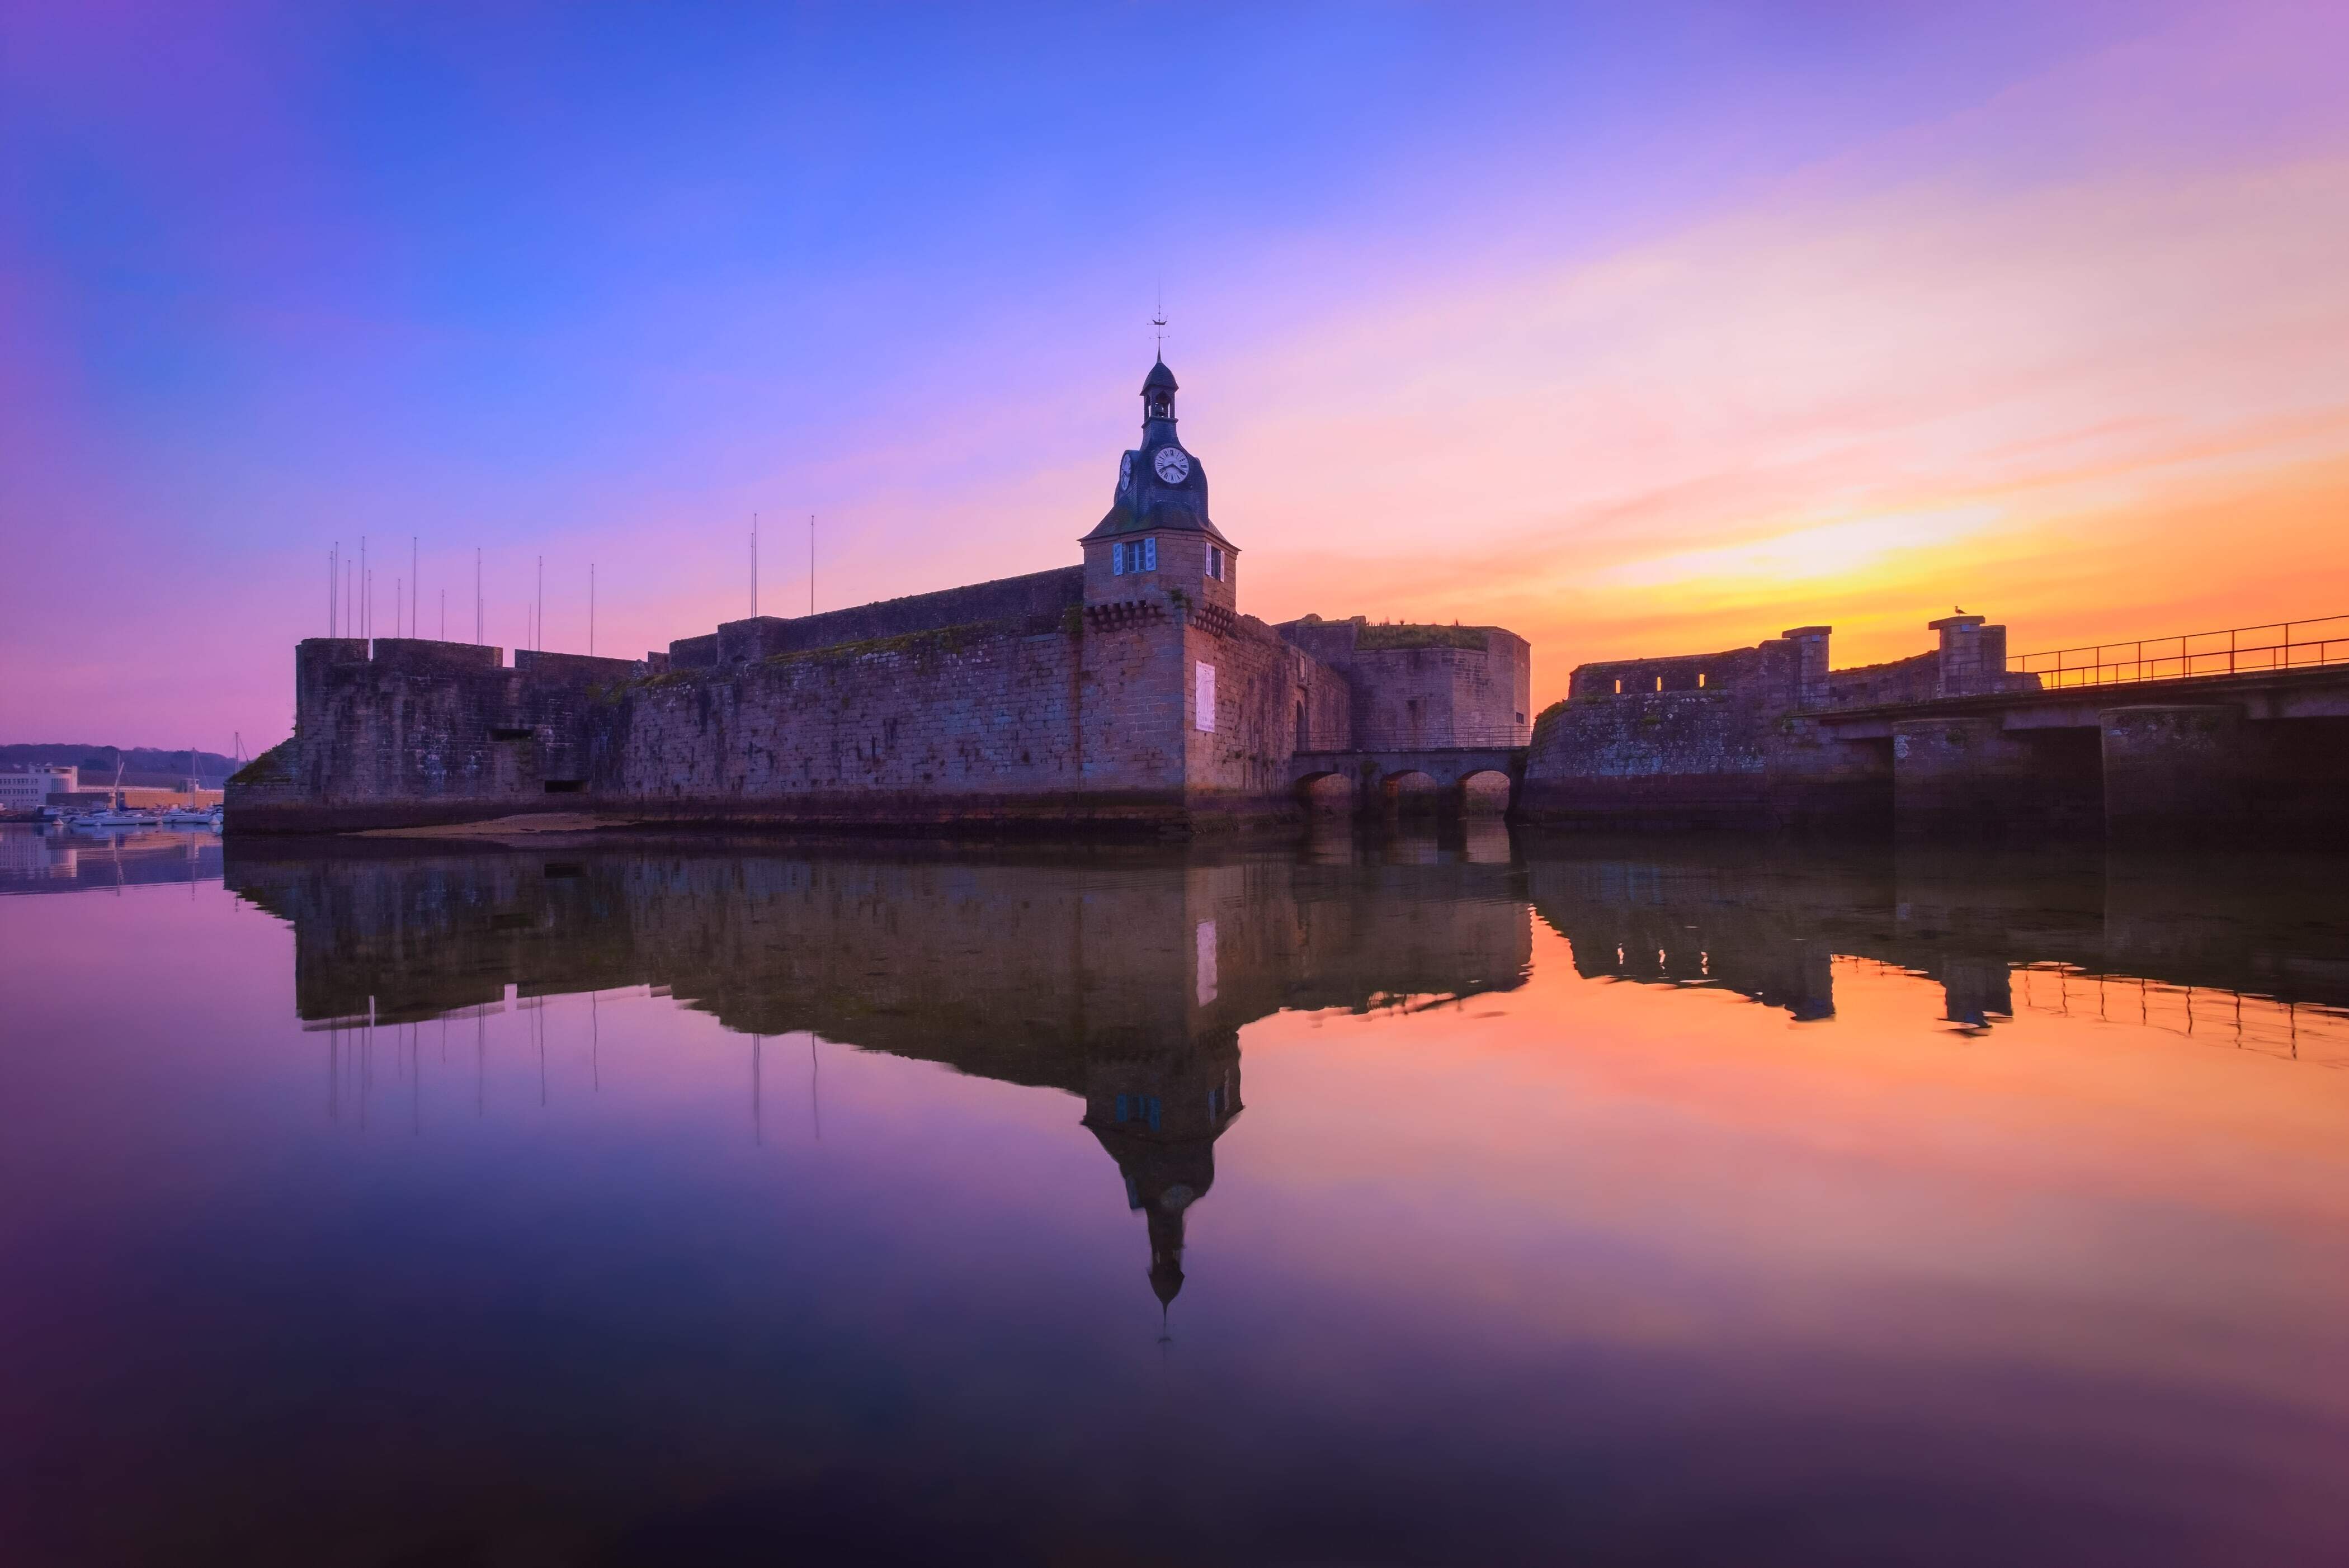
column 1633, row 328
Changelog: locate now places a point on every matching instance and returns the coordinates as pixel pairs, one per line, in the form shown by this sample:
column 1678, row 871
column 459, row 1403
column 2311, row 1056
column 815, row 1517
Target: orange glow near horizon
column 1694, row 446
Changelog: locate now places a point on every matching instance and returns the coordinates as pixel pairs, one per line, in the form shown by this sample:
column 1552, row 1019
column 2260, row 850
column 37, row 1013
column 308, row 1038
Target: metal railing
column 2237, row 651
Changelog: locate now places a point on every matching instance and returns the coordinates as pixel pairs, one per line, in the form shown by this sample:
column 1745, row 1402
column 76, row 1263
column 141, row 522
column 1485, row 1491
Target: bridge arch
column 1410, row 788
column 1488, row 791
column 1327, row 789
column 1445, row 777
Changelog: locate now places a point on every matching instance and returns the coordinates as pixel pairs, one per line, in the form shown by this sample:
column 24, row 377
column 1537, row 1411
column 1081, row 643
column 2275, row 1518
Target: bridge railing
column 2238, row 650
column 1461, row 738
column 1452, row 738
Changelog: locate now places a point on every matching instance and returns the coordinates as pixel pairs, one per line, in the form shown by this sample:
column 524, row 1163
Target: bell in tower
column 1158, row 398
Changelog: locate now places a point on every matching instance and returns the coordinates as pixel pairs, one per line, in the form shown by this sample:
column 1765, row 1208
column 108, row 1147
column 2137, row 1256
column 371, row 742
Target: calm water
column 1430, row 1200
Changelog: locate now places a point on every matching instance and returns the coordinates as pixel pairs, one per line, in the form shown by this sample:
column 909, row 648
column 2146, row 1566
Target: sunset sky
column 1636, row 329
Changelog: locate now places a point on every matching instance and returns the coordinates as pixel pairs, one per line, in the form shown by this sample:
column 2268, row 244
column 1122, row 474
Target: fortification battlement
column 425, row 656
column 1731, row 669
column 1790, row 671
column 1425, row 683
column 1037, row 598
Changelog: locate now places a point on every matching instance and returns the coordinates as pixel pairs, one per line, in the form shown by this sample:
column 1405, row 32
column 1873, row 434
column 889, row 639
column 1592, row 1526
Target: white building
column 29, row 788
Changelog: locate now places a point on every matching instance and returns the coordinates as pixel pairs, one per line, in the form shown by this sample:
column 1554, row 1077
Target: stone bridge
column 2191, row 756
column 1377, row 774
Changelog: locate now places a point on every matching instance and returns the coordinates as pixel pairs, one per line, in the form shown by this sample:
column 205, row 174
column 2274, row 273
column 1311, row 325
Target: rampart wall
column 1020, row 701
column 1717, row 739
column 1913, row 679
column 1415, row 685
column 1733, row 757
column 408, row 730
column 1732, row 668
column 1037, row 601
column 937, row 727
column 1262, row 686
column 990, row 724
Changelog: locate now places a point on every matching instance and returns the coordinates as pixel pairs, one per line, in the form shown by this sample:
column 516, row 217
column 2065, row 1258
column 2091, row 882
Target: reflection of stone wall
column 1013, row 968
column 1123, row 978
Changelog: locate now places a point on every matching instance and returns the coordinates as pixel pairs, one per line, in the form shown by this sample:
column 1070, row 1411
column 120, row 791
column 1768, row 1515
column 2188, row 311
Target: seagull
column 1960, row 609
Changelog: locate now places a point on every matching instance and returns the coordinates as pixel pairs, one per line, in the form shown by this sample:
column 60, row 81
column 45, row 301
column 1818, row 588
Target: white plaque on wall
column 1205, row 701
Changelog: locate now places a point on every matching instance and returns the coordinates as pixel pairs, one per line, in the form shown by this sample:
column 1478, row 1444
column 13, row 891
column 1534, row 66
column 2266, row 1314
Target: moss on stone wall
column 1408, row 637
column 943, row 640
column 275, row 766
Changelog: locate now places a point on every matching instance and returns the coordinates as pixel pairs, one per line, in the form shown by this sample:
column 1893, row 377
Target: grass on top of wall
column 275, row 766
column 1411, row 636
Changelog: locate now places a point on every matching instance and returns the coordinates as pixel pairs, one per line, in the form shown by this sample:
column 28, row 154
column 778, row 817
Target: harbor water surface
column 1447, row 1197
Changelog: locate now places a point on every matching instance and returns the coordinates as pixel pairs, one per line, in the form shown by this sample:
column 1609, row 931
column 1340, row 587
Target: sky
column 1635, row 329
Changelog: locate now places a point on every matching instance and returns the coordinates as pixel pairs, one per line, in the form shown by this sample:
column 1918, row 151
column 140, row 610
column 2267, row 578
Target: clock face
column 1174, row 465
column 1125, row 470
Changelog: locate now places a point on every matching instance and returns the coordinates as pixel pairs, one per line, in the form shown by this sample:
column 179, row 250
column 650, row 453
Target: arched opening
column 1410, row 792
column 1304, row 729
column 1484, row 793
column 1325, row 794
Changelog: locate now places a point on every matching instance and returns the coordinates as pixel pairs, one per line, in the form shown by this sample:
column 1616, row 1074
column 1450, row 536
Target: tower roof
column 1154, row 496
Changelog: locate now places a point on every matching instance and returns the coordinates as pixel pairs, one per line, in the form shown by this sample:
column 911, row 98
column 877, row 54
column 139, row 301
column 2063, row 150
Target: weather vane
column 1158, row 320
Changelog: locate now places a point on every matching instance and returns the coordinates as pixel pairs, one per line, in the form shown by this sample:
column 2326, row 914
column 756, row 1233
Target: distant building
column 29, row 789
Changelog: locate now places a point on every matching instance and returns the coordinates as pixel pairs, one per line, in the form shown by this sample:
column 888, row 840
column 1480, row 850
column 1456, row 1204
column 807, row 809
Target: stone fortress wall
column 1125, row 692
column 1733, row 738
column 1410, row 686
column 1038, row 602
column 1704, row 740
column 989, row 722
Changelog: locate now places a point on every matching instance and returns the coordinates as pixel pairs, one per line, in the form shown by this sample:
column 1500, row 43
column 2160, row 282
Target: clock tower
column 1157, row 547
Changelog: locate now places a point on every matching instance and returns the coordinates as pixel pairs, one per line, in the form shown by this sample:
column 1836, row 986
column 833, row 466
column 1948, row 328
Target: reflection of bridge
column 1377, row 775
column 2241, row 950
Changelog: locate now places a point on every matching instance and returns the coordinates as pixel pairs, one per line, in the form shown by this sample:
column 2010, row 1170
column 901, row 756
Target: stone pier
column 1969, row 776
column 2175, row 773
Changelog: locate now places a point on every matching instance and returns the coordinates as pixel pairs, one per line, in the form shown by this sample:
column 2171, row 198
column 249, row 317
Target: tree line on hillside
column 145, row 766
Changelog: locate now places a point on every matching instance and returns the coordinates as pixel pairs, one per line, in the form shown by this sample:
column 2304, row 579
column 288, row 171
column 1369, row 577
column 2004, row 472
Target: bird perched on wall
column 1960, row 609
